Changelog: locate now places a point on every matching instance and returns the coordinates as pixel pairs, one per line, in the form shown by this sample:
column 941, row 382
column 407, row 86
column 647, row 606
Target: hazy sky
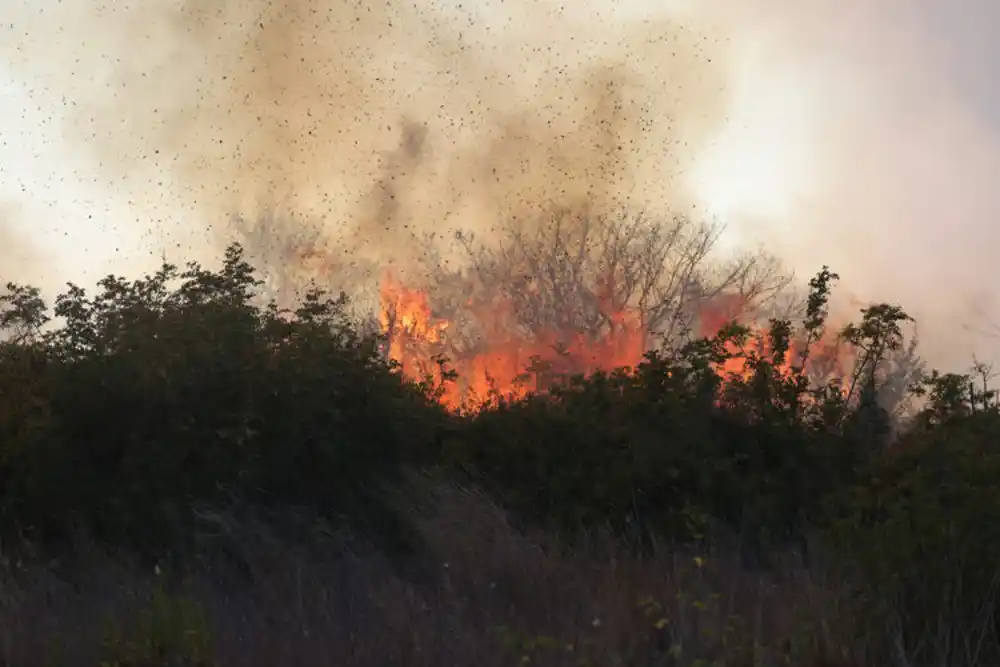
column 860, row 134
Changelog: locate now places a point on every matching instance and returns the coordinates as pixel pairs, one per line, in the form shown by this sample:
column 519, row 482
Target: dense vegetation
column 161, row 418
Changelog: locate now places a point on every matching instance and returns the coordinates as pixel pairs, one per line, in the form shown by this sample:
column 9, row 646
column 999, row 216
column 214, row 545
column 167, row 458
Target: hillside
column 192, row 476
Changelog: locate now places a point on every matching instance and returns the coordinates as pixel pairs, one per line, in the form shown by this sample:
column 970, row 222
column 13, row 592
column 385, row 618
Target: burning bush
column 571, row 293
column 160, row 408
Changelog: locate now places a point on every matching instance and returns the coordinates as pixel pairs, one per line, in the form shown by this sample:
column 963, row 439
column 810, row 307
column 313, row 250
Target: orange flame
column 824, row 359
column 512, row 365
column 509, row 365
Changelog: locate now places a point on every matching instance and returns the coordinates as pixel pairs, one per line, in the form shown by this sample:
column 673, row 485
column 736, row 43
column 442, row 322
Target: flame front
column 513, row 365
column 508, row 364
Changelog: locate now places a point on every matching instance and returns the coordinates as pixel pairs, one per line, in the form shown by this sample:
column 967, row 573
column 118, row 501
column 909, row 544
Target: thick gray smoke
column 372, row 121
column 847, row 132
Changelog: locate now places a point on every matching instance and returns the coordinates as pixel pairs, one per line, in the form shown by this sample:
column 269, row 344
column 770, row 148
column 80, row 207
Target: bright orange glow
column 828, row 358
column 511, row 365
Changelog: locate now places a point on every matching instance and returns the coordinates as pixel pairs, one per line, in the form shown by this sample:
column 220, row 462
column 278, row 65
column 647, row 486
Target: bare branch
column 564, row 272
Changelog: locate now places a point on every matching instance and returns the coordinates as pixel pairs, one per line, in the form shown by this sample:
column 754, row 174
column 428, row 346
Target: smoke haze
column 834, row 132
column 904, row 145
column 377, row 119
column 19, row 258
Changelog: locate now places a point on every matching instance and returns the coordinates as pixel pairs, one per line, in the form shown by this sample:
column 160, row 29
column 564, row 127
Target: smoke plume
column 328, row 132
column 371, row 121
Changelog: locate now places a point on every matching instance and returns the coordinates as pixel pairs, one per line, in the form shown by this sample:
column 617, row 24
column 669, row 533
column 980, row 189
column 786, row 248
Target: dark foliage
column 677, row 446
column 137, row 412
column 163, row 395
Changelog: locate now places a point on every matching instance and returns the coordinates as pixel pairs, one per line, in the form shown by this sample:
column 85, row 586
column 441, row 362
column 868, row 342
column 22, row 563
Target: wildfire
column 825, row 358
column 407, row 312
column 513, row 365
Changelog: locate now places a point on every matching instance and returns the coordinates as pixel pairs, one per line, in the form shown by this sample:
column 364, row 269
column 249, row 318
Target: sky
column 863, row 135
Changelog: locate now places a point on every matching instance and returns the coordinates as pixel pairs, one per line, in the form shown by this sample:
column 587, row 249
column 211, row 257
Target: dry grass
column 481, row 595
